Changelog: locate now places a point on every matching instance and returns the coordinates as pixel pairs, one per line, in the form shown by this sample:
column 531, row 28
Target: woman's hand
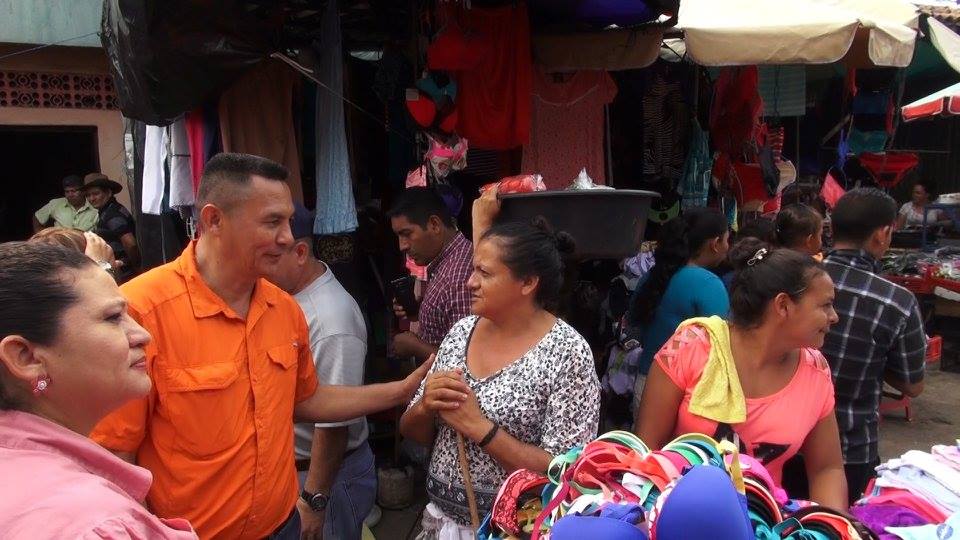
column 445, row 390
column 485, row 210
column 99, row 250
column 468, row 419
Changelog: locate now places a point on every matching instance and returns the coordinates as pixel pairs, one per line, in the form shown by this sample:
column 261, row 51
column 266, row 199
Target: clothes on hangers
column 666, row 119
column 889, row 168
column 694, row 184
column 182, row 194
column 736, row 109
column 493, row 98
column 567, row 121
column 336, row 209
column 154, row 170
column 256, row 117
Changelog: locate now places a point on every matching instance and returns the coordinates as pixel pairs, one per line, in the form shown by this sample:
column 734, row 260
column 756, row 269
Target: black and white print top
column 549, row 397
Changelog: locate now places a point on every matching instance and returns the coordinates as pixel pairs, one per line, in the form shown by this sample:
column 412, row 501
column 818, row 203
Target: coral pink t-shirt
column 776, row 425
column 567, row 127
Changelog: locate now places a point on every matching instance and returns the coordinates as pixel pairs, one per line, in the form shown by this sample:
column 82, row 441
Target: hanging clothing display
column 203, row 137
column 182, row 194
column 567, row 126
column 697, row 169
column 336, row 211
column 783, row 90
column 256, row 117
column 666, row 119
column 494, row 97
column 736, row 109
column 154, row 176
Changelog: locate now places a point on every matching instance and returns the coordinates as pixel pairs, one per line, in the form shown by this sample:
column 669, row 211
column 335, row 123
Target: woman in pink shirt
column 69, row 354
column 772, row 390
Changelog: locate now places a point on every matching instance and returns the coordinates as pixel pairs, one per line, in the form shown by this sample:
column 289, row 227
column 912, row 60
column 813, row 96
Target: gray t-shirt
column 338, row 339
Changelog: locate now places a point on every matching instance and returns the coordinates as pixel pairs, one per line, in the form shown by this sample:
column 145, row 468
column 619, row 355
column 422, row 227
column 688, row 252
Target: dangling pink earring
column 41, row 384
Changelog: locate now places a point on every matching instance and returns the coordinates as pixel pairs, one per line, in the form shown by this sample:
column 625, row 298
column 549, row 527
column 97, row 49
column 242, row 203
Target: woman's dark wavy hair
column 680, row 239
column 34, row 293
column 534, row 250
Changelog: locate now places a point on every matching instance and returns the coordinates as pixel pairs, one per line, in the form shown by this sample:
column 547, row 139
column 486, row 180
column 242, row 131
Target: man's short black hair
column 226, row 174
column 860, row 212
column 72, row 181
column 417, row 204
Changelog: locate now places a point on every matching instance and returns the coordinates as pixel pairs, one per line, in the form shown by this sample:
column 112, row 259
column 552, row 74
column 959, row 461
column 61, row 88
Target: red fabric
column 422, row 110
column 193, row 122
column 504, row 511
column 494, row 98
column 831, row 191
column 454, row 51
column 744, row 180
column 736, row 109
column 567, row 127
column 888, row 168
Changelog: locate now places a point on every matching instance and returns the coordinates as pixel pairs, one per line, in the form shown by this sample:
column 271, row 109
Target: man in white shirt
column 341, row 465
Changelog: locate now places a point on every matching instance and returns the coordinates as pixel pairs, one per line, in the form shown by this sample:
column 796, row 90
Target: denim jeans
column 352, row 496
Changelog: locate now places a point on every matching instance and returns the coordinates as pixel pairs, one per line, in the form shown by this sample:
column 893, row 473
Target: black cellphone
column 403, row 293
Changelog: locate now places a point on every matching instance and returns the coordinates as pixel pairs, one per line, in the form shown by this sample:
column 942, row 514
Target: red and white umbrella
column 946, row 102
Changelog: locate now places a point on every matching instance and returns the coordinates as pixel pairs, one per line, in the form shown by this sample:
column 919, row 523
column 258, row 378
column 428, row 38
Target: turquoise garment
column 692, row 292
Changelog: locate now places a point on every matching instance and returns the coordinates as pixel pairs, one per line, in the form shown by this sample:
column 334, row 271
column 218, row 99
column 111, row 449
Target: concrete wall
column 109, row 124
column 50, row 21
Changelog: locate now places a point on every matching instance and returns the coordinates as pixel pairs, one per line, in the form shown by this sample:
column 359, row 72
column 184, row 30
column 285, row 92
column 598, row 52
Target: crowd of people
column 165, row 407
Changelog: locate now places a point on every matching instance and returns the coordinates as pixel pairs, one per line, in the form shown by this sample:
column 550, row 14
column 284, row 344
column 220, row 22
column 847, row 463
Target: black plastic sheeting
column 169, row 56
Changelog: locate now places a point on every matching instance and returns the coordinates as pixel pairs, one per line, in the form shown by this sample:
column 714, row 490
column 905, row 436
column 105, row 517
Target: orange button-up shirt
column 216, row 431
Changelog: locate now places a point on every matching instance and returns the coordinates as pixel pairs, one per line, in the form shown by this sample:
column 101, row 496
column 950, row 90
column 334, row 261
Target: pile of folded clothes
column 694, row 487
column 915, row 496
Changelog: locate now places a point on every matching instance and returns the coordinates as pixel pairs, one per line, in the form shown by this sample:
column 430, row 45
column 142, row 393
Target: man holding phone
column 427, row 232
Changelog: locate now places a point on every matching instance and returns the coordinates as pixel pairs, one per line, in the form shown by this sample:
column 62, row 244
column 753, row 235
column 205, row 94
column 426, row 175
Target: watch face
column 318, row 501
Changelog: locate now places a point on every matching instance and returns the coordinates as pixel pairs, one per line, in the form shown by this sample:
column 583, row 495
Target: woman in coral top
column 758, row 379
column 69, row 354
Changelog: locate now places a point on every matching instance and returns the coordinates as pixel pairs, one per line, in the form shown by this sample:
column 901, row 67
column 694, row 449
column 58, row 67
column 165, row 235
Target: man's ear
column 303, row 249
column 211, row 219
column 434, row 224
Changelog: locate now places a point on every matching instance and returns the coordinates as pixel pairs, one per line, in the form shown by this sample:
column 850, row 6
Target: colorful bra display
column 617, row 487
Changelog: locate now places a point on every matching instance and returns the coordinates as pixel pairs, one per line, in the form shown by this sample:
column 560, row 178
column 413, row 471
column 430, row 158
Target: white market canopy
column 748, row 32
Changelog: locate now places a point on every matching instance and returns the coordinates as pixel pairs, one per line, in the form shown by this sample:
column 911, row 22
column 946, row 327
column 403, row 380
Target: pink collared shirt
column 58, row 484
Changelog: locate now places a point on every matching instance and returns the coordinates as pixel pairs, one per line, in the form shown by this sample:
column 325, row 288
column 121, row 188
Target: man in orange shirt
column 231, row 367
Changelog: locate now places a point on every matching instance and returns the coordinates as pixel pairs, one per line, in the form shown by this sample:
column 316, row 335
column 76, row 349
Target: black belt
column 303, row 464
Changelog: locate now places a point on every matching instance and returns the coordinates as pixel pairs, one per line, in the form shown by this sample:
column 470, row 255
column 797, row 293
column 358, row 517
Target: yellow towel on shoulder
column 718, row 395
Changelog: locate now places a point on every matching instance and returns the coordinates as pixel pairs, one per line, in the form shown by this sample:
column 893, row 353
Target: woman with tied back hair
column 800, row 228
column 69, row 354
column 680, row 285
column 760, row 377
column 529, row 379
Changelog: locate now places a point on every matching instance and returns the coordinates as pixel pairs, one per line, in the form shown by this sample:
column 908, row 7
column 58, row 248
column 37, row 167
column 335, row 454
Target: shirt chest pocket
column 204, row 405
column 284, row 356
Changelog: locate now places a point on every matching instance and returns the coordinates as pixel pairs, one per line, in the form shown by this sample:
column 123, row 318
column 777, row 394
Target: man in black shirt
column 115, row 224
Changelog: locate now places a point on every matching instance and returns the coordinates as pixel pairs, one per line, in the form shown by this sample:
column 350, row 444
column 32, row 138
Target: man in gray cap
column 334, row 459
column 72, row 211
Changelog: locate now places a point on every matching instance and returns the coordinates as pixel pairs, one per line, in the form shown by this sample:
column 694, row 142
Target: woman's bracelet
column 489, row 436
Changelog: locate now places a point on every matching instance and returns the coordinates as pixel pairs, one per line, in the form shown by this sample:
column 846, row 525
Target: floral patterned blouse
column 549, row 397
